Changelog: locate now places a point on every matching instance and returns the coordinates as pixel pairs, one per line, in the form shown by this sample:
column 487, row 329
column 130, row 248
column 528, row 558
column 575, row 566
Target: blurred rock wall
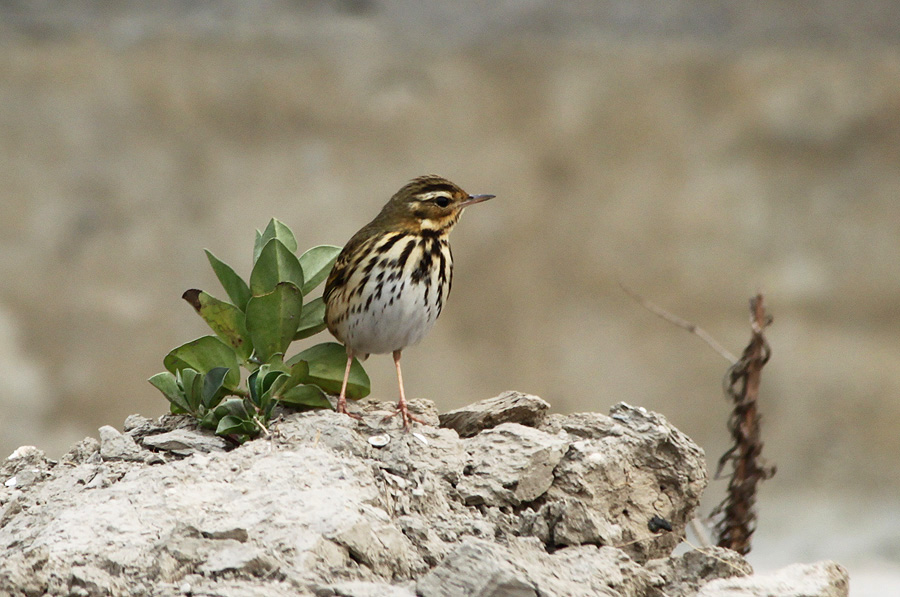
column 695, row 154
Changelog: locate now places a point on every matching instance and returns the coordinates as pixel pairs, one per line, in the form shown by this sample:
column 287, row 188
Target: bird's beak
column 473, row 199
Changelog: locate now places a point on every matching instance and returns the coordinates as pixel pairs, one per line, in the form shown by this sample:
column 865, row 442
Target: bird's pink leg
column 401, row 404
column 342, row 399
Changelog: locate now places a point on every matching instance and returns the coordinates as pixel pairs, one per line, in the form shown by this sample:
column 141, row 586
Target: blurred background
column 696, row 152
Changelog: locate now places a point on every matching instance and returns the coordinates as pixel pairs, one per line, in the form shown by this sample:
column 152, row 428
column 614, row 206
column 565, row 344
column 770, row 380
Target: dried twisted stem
column 737, row 512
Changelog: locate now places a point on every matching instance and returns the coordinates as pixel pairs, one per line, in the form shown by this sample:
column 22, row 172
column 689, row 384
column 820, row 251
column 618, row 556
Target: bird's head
column 428, row 203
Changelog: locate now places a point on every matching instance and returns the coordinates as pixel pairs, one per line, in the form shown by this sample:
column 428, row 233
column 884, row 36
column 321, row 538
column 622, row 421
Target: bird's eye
column 442, row 201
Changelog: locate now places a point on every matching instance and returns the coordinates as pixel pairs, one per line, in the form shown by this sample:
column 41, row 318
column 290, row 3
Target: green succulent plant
column 254, row 331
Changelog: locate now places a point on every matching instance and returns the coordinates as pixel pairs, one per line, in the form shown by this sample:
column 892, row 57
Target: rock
column 380, row 545
column 822, row 579
column 682, row 575
column 224, row 587
column 229, row 556
column 216, row 529
column 26, row 466
column 146, row 524
column 184, row 442
column 316, row 509
column 364, row 589
column 523, row 567
column 508, row 407
column 26, row 454
column 138, row 423
column 323, row 428
column 618, row 473
column 509, row 465
column 380, row 415
column 116, row 446
column 588, row 570
column 86, row 450
column 478, row 569
column 438, row 452
column 91, row 580
column 138, row 426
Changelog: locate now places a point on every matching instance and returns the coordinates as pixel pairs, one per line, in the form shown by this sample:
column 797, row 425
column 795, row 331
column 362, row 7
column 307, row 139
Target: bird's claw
column 407, row 417
column 342, row 408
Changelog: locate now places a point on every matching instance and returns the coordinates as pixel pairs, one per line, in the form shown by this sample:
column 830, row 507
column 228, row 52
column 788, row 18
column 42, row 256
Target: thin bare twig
column 682, row 323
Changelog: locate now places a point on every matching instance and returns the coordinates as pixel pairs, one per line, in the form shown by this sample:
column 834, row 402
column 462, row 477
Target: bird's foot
column 405, row 415
column 342, row 408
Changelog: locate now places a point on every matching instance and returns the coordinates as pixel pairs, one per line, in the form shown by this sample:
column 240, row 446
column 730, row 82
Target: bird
column 391, row 280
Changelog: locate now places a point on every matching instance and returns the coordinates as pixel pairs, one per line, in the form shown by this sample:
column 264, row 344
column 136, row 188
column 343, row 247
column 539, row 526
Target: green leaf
column 276, row 363
column 166, row 383
column 233, row 407
column 233, row 418
column 234, row 285
column 226, row 320
column 317, row 263
column 275, row 229
column 259, row 383
column 209, row 420
column 273, row 318
column 253, row 386
column 230, row 424
column 299, row 373
column 204, row 354
column 212, row 384
column 190, row 381
column 257, row 245
column 326, row 369
column 276, row 263
column 265, row 394
column 312, row 319
column 266, row 398
column 270, row 379
column 305, row 395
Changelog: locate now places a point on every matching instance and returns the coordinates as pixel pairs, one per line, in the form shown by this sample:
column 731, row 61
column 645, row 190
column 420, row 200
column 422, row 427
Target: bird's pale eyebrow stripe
column 433, row 195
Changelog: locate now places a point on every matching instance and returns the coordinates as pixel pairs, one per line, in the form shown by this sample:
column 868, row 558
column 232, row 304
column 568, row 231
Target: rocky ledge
column 496, row 499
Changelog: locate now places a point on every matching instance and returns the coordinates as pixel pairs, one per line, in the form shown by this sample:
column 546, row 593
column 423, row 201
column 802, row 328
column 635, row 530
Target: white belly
column 389, row 314
column 397, row 318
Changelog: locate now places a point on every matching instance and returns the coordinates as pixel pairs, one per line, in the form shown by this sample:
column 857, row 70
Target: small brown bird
column 391, row 280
